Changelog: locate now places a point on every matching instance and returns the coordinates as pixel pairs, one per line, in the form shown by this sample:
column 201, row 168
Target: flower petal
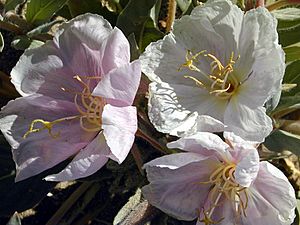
column 166, row 113
column 120, row 84
column 247, row 166
column 117, row 51
column 250, row 124
column 203, row 143
column 39, row 151
column 87, row 161
column 271, row 198
column 174, row 183
column 119, row 125
column 226, row 19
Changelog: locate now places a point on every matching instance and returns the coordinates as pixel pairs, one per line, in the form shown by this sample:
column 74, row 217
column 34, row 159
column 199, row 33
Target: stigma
column 224, row 188
column 89, row 109
column 220, row 81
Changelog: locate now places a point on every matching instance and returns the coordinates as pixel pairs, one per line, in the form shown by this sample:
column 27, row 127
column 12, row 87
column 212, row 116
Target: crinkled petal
column 119, row 125
column 203, row 143
column 206, row 123
column 165, row 111
column 174, row 183
column 39, row 151
column 87, row 161
column 226, row 20
column 271, row 198
column 120, row 84
column 250, row 124
column 247, row 166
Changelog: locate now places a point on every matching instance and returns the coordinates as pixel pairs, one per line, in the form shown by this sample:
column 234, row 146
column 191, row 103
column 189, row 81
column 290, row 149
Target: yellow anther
column 190, row 58
column 46, row 125
column 198, row 82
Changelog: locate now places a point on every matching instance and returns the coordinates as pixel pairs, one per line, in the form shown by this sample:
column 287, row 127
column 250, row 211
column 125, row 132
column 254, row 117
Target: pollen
column 220, row 82
column 89, row 110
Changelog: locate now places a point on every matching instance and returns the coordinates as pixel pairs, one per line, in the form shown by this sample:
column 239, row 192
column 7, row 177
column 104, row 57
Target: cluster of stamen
column 220, row 82
column 89, row 107
column 223, row 184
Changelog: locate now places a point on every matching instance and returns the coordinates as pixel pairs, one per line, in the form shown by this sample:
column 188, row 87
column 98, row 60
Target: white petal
column 271, row 199
column 203, row 143
column 250, row 124
column 119, row 125
column 248, row 165
column 175, row 184
column 166, row 113
column 87, row 161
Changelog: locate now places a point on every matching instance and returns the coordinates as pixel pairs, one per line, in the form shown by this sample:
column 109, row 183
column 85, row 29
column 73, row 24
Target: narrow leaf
column 281, row 140
column 40, row 11
column 292, row 52
column 1, row 42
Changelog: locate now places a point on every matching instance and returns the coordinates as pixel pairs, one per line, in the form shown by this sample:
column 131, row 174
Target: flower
column 77, row 92
column 219, row 183
column 218, row 62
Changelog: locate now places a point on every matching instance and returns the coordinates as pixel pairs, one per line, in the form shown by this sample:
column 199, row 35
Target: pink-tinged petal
column 203, row 143
column 41, row 70
column 120, row 84
column 82, row 43
column 175, row 186
column 39, row 151
column 237, row 140
column 87, row 161
column 247, row 166
column 117, row 51
column 250, row 124
column 271, row 198
column 119, row 125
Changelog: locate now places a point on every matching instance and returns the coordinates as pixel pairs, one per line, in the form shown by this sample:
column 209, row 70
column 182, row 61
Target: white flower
column 219, row 183
column 218, row 62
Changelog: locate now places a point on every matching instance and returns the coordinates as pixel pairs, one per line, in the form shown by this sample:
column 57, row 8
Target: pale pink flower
column 77, row 95
column 219, row 183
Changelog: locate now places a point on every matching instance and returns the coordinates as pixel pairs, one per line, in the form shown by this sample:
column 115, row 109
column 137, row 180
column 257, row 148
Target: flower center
column 89, row 107
column 220, row 82
column 223, row 184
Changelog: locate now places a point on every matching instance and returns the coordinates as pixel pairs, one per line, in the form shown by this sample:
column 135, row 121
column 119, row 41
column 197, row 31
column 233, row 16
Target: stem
column 55, row 219
column 277, row 5
column 171, row 14
column 10, row 27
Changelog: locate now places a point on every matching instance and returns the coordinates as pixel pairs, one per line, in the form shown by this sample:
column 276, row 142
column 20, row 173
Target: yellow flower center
column 89, row 107
column 223, row 184
column 220, row 82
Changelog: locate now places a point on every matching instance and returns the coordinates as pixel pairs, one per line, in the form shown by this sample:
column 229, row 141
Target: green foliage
column 281, row 140
column 292, row 52
column 12, row 4
column 184, row 5
column 135, row 18
column 23, row 42
column 40, row 11
column 292, row 76
column 288, row 25
column 78, row 7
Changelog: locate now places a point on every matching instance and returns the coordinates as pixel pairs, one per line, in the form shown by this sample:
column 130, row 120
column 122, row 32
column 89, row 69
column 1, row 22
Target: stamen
column 223, row 183
column 89, row 108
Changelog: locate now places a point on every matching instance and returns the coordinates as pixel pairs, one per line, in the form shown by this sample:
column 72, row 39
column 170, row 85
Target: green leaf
column 78, row 7
column 23, row 42
column 292, row 52
column 292, row 76
column 184, row 5
column 150, row 34
column 135, row 18
column 40, row 11
column 287, row 14
column 12, row 4
column 1, row 42
column 280, row 140
column 287, row 104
